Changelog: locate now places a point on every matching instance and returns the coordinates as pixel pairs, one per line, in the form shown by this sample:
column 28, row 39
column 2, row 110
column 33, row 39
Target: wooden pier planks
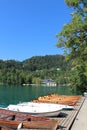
column 66, row 121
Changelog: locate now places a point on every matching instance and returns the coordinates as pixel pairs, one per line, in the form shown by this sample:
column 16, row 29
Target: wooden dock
column 67, row 117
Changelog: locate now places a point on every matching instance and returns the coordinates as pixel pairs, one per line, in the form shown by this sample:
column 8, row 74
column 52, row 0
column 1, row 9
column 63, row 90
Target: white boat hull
column 45, row 114
column 40, row 109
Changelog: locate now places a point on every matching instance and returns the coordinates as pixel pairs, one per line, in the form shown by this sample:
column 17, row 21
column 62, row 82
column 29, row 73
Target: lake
column 16, row 94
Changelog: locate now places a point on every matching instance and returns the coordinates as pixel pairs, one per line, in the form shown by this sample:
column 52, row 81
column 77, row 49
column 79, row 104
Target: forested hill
column 44, row 62
column 33, row 70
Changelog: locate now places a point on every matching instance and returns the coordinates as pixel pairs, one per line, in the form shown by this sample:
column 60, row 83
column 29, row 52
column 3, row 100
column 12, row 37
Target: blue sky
column 29, row 27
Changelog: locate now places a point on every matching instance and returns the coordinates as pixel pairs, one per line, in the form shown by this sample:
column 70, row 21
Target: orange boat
column 60, row 99
column 13, row 120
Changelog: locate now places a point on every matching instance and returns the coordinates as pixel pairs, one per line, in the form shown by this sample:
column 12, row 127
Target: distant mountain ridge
column 36, row 63
column 33, row 70
column 44, row 62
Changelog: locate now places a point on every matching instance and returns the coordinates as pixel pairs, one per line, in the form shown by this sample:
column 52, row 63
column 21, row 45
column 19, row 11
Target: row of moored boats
column 35, row 114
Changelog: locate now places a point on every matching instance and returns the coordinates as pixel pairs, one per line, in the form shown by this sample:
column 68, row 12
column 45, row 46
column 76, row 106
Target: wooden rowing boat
column 11, row 120
column 59, row 99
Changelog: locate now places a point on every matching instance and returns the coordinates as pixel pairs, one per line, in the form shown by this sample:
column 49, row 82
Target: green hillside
column 33, row 70
column 44, row 62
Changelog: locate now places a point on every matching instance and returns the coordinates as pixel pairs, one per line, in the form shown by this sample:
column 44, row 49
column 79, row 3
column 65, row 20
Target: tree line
column 34, row 70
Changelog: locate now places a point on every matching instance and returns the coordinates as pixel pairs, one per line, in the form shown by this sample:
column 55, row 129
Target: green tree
column 28, row 79
column 73, row 38
column 36, row 80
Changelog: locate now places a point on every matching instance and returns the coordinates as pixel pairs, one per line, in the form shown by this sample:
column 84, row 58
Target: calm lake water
column 16, row 94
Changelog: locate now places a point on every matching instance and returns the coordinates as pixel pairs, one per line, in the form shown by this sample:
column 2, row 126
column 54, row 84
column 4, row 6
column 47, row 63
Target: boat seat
column 21, row 119
column 7, row 117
